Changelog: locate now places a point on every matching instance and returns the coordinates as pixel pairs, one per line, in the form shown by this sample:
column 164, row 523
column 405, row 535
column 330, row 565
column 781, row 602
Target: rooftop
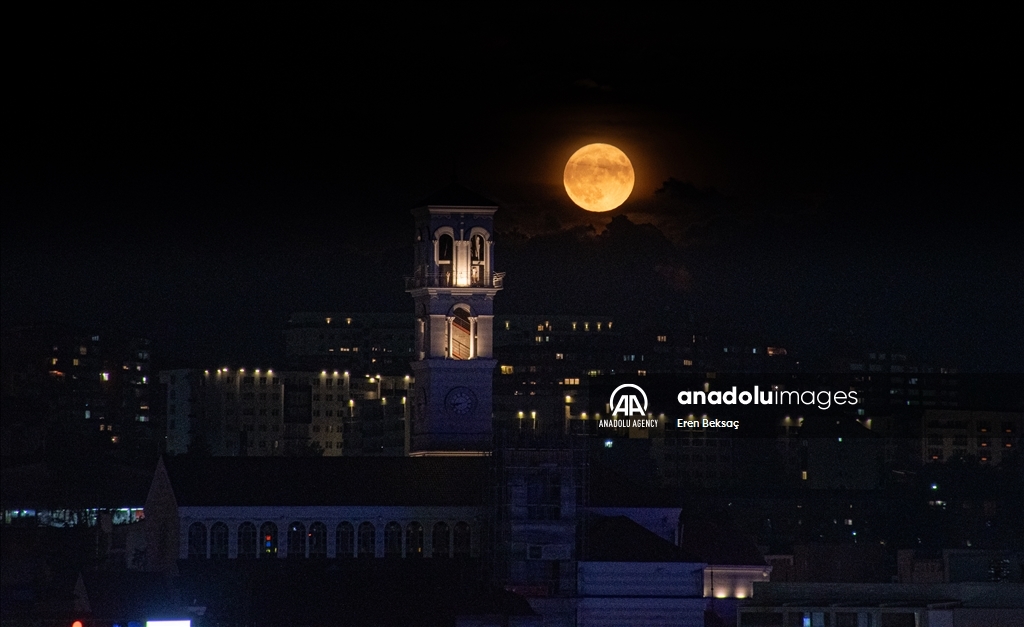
column 301, row 481
column 619, row 539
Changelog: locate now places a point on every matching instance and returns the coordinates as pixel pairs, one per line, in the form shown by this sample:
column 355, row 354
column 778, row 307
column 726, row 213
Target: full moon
column 598, row 177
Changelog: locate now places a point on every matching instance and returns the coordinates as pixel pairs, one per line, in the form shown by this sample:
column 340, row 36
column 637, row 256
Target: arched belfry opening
column 445, row 257
column 479, row 258
column 453, row 286
column 460, row 334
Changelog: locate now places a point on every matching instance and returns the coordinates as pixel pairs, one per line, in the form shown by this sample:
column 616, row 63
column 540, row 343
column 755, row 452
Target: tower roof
column 456, row 195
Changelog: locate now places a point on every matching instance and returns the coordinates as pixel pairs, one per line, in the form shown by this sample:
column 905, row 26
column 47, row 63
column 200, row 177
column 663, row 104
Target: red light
column 267, row 538
column 77, row 623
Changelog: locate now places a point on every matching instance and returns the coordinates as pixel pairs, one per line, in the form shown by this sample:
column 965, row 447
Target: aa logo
column 626, row 403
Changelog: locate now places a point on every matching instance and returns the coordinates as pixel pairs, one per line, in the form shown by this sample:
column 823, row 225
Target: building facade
column 74, row 390
column 377, row 343
column 959, row 434
column 255, row 412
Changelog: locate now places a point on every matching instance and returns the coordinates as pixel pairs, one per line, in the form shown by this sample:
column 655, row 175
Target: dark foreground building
column 530, row 531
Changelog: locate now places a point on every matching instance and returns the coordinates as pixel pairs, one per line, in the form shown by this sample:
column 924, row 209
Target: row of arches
column 456, row 262
column 311, row 542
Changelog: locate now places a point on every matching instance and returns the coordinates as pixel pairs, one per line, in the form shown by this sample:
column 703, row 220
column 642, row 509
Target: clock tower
column 453, row 287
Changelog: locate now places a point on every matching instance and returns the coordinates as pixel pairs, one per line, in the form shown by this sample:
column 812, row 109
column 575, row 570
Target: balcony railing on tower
column 446, row 279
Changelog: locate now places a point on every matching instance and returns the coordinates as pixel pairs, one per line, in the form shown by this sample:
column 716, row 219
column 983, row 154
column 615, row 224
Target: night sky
column 830, row 183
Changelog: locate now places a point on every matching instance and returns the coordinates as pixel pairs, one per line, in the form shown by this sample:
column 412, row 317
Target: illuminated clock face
column 460, row 401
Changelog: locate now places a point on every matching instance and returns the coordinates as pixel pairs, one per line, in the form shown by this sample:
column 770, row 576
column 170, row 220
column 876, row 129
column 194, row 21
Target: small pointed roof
column 456, row 195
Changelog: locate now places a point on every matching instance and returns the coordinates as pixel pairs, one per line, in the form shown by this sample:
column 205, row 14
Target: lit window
column 662, row 338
